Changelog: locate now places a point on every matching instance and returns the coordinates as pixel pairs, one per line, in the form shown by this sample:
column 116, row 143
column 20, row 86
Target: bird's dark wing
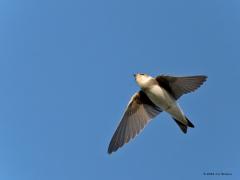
column 138, row 113
column 177, row 86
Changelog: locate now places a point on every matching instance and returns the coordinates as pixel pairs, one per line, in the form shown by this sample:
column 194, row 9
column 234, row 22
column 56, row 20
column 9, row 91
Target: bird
column 157, row 94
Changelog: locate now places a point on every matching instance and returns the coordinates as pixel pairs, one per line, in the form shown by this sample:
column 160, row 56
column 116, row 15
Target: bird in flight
column 156, row 95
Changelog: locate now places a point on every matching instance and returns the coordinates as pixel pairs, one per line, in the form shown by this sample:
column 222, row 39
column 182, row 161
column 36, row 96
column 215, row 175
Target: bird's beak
column 134, row 75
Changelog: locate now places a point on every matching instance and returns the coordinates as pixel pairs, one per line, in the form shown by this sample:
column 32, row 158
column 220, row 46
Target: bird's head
column 143, row 80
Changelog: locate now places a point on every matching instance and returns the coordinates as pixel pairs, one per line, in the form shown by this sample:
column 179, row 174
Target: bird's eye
column 142, row 74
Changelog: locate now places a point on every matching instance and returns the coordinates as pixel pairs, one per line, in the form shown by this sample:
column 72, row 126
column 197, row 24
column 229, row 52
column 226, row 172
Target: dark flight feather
column 138, row 113
column 177, row 86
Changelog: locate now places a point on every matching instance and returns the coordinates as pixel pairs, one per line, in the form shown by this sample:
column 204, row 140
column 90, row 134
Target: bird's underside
column 143, row 106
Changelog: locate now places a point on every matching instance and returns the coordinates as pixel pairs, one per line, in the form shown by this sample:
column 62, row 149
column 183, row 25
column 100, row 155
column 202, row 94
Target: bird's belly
column 160, row 97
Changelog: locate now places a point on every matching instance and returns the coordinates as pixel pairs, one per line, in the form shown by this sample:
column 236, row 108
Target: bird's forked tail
column 184, row 127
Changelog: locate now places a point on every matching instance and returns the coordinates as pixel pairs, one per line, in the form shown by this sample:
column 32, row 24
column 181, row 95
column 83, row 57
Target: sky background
column 66, row 76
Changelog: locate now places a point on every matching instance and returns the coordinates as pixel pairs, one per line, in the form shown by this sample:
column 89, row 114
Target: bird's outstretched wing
column 177, row 86
column 139, row 111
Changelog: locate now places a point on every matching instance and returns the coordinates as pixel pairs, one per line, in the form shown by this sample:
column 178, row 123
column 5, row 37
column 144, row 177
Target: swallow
column 155, row 96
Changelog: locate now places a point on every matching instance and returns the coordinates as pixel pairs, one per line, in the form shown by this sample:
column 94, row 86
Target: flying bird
column 156, row 95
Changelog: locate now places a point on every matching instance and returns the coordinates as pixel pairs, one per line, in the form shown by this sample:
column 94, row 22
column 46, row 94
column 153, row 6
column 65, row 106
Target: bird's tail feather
column 190, row 124
column 184, row 127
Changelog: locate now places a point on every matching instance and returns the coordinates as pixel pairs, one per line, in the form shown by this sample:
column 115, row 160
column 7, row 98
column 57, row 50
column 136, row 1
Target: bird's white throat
column 144, row 81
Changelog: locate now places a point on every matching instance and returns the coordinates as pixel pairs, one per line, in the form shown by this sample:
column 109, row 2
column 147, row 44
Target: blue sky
column 66, row 77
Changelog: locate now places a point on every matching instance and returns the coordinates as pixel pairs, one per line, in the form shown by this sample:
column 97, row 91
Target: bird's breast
column 160, row 97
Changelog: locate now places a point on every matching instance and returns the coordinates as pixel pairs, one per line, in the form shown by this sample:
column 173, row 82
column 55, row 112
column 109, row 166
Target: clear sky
column 66, row 77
